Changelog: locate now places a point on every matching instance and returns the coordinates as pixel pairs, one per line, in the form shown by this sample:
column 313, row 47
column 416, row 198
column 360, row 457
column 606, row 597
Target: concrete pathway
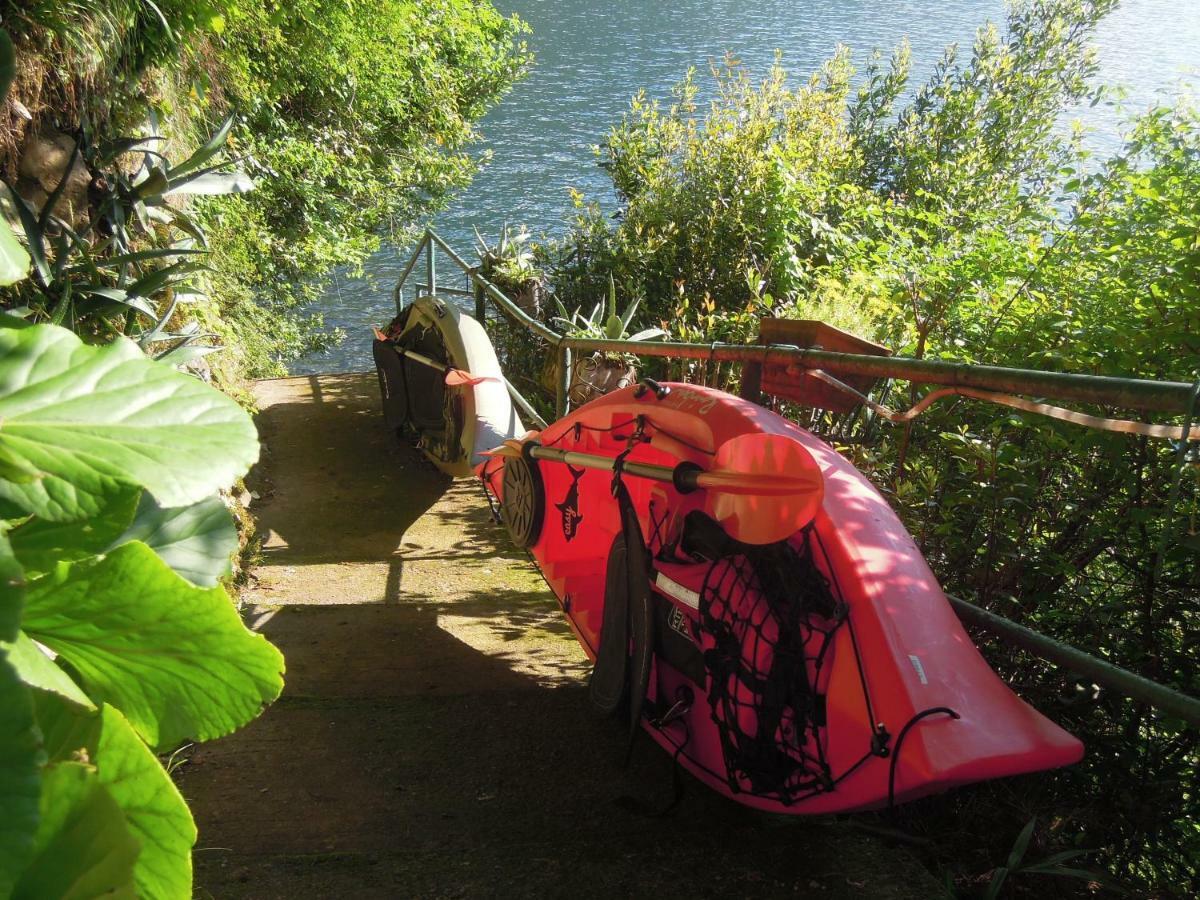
column 434, row 738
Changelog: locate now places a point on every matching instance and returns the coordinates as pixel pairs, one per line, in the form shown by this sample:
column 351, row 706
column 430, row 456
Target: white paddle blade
column 762, row 487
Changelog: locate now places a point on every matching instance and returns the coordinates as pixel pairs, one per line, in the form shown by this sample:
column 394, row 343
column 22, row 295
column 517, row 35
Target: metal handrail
column 1131, row 393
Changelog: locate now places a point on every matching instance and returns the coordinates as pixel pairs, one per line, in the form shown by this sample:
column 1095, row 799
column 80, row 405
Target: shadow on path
column 434, row 738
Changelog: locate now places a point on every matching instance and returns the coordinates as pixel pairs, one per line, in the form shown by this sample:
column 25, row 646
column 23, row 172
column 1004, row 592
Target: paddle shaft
column 605, row 463
column 422, row 359
column 685, row 476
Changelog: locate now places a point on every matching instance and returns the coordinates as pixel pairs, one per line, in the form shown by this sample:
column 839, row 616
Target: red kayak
column 753, row 603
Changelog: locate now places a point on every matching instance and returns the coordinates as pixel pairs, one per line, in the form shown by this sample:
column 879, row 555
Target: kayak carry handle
column 649, row 384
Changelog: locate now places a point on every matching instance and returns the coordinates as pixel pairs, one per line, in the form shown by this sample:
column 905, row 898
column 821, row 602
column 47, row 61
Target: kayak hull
column 898, row 702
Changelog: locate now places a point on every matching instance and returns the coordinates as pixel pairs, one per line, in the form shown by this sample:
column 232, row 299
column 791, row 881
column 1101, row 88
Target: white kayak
column 439, row 378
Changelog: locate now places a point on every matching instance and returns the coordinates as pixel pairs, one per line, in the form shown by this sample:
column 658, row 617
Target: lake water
column 592, row 56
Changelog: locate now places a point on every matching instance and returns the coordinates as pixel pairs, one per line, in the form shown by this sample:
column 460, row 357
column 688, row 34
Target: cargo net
column 768, row 617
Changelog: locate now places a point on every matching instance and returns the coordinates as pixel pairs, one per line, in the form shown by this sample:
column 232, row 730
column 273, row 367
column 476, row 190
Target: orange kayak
column 754, row 604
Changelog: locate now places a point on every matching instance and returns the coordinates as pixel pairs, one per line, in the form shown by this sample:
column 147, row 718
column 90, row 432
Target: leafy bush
column 356, row 120
column 115, row 642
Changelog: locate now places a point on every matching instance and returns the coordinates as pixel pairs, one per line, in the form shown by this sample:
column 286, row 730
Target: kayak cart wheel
column 524, row 501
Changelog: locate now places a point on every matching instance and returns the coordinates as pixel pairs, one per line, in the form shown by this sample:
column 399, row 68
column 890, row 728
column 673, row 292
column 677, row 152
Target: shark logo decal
column 570, row 505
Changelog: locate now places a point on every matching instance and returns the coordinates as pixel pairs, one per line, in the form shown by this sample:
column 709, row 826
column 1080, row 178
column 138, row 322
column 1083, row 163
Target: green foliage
column 131, row 264
column 108, row 654
column 89, row 58
column 356, row 121
column 960, row 224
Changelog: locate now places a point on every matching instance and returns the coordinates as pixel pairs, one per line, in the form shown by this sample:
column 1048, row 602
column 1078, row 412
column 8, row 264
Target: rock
column 44, row 158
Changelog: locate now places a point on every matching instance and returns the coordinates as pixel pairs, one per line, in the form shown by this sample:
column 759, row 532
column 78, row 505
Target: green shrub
column 356, row 119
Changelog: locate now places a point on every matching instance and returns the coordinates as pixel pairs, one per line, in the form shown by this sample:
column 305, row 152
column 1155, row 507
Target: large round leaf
column 196, row 541
column 85, row 417
column 174, row 658
column 36, row 669
column 40, row 545
column 20, row 786
column 84, row 848
column 151, row 804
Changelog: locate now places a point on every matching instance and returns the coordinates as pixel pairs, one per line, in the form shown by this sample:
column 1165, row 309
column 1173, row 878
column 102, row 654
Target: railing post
column 563, row 382
column 480, row 305
column 430, row 267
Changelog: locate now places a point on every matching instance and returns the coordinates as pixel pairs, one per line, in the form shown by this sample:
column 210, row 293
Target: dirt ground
column 434, row 738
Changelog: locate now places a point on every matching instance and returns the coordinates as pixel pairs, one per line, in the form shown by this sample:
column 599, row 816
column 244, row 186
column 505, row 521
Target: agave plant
column 601, row 373
column 510, row 265
column 510, row 257
column 129, row 267
column 604, row 322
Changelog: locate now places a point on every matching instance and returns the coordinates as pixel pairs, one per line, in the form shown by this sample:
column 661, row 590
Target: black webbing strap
column 641, row 610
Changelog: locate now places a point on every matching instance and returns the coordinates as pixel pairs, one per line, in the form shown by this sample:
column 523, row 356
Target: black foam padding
column 609, row 683
column 390, row 368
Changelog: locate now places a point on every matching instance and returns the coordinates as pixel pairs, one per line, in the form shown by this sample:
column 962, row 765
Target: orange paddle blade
column 762, row 487
column 461, row 378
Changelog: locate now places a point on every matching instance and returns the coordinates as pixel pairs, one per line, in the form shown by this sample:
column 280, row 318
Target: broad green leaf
column 210, row 149
column 12, row 590
column 83, row 848
column 14, row 259
column 174, row 658
column 1021, row 845
column 66, row 729
column 150, row 284
column 196, row 541
column 40, row 544
column 154, row 183
column 20, row 761
column 89, row 417
column 112, row 262
column 15, row 469
column 34, row 236
column 38, row 670
column 8, row 320
column 153, row 807
column 214, row 183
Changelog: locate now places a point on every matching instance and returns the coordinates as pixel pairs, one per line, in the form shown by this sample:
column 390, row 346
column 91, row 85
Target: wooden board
column 797, row 385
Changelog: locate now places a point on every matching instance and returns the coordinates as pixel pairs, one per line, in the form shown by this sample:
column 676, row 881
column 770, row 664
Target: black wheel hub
column 524, row 501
